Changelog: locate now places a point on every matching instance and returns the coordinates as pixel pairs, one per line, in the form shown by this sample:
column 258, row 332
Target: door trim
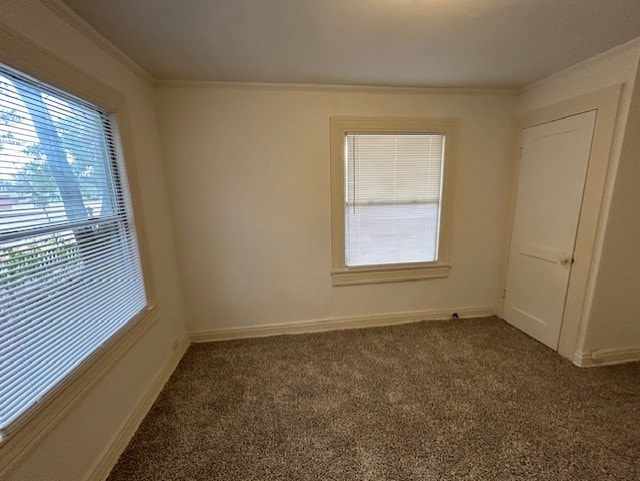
column 606, row 103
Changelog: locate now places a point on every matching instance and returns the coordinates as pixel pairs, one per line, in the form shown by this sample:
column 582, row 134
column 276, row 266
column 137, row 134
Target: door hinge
column 504, row 293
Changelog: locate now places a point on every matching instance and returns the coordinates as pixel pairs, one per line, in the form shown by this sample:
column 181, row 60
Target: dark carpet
column 453, row 400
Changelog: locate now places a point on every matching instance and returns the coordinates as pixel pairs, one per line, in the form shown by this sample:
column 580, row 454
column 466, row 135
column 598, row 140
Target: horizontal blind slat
column 21, row 311
column 70, row 273
column 43, row 379
column 393, row 184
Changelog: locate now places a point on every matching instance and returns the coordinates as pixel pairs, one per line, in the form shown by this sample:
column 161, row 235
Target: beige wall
column 614, row 321
column 610, row 318
column 248, row 173
column 76, row 444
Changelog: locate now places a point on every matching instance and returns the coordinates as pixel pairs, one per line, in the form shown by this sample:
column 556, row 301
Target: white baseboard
column 606, row 357
column 107, row 461
column 334, row 324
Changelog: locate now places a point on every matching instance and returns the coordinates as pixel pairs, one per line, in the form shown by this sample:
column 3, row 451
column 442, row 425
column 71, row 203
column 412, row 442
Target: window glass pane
column 393, row 186
column 70, row 274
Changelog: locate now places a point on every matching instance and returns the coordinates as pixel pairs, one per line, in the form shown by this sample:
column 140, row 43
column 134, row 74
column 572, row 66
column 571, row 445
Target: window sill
column 25, row 433
column 391, row 273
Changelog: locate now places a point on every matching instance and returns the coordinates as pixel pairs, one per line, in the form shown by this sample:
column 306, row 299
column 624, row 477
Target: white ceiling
column 462, row 43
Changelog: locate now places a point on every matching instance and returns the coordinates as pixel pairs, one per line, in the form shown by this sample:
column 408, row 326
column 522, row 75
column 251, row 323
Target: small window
column 390, row 188
column 70, row 272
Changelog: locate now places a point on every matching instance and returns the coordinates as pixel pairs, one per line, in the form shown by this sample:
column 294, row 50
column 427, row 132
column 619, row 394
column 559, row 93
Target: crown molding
column 629, row 46
column 344, row 88
column 77, row 22
column 71, row 17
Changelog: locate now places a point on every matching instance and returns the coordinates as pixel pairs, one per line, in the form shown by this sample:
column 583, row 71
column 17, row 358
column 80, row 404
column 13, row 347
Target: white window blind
column 393, row 185
column 70, row 274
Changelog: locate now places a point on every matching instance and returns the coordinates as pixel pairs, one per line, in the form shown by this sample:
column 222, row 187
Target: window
column 70, row 270
column 391, row 189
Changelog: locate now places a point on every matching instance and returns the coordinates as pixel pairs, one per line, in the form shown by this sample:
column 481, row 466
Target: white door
column 551, row 178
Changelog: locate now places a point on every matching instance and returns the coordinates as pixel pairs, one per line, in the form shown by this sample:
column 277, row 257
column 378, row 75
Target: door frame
column 581, row 280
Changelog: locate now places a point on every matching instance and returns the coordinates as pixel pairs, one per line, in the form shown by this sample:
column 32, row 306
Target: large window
column 390, row 209
column 70, row 272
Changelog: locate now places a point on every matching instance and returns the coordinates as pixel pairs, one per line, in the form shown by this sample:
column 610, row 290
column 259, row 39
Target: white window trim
column 341, row 274
column 30, row 428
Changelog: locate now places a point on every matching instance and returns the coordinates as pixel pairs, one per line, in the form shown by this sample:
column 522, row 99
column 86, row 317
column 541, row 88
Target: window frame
column 23, row 434
column 341, row 274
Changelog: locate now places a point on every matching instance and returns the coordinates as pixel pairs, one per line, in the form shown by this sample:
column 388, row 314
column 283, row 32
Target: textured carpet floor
column 459, row 400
